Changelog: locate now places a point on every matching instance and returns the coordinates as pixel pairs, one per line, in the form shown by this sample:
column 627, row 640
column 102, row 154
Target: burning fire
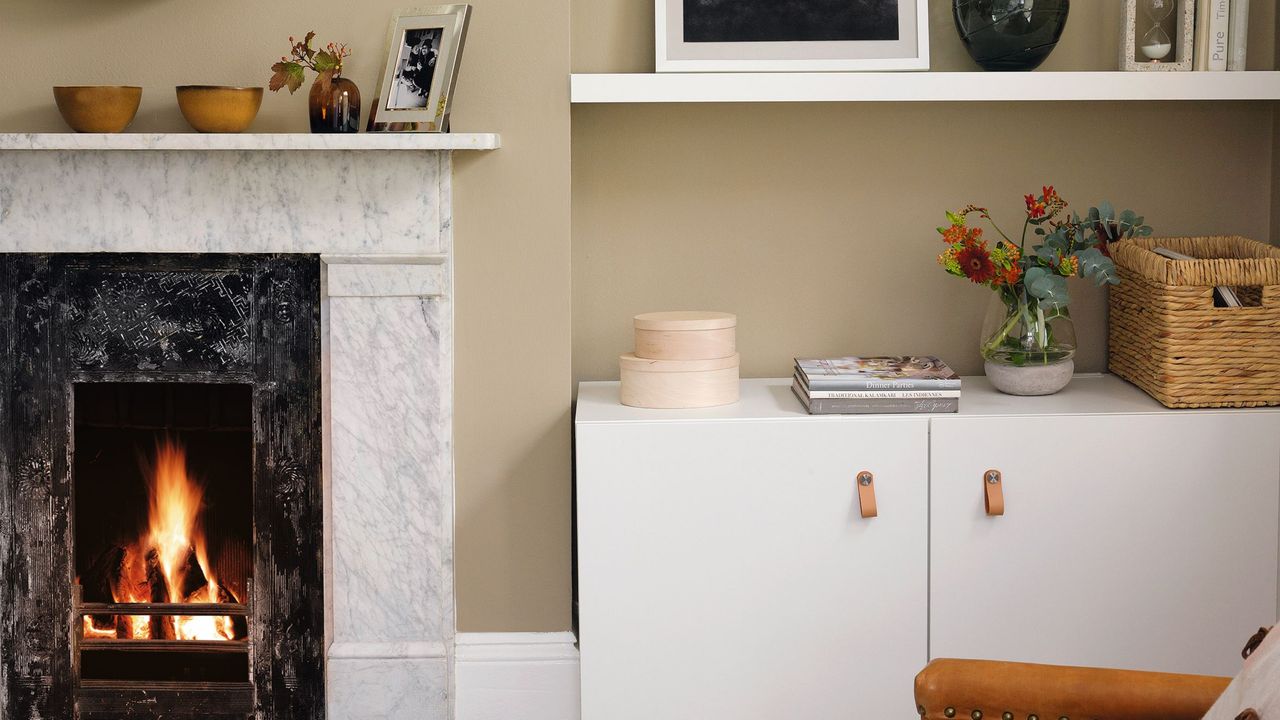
column 158, row 566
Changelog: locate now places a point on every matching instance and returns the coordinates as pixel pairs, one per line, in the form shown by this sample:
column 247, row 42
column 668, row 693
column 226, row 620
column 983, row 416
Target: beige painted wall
column 814, row 222
column 512, row 231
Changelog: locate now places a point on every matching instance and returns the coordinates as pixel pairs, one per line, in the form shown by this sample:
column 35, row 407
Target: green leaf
column 1097, row 267
column 1055, row 245
column 326, row 60
column 955, row 219
column 1106, row 211
column 1048, row 287
column 287, row 74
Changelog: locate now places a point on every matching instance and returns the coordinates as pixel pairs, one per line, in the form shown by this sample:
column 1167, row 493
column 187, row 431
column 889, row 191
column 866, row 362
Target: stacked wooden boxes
column 684, row 359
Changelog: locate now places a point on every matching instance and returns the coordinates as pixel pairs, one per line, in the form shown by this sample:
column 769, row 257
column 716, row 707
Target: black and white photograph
column 416, row 66
column 424, row 49
column 798, row 20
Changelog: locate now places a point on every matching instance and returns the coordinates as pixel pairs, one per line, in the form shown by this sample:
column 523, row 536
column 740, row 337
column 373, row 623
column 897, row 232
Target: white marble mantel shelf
column 250, row 141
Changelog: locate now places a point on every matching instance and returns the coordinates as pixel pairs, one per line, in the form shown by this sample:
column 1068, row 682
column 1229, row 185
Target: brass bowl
column 218, row 109
column 97, row 108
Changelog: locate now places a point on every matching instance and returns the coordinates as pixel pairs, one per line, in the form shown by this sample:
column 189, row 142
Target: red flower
column 1035, row 208
column 976, row 263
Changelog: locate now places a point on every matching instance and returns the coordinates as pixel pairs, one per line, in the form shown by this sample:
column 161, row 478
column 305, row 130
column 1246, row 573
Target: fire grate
column 96, row 698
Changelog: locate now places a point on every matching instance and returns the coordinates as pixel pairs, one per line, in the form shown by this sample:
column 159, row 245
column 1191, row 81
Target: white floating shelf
column 249, row 141
column 922, row 87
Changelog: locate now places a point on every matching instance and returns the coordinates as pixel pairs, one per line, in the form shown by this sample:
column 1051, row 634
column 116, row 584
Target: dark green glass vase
column 1010, row 34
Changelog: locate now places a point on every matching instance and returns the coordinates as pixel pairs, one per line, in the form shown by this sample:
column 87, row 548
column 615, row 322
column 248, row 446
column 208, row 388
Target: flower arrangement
column 1032, row 282
column 291, row 70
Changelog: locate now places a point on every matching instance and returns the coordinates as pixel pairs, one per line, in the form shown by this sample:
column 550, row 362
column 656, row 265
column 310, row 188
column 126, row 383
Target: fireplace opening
column 162, row 478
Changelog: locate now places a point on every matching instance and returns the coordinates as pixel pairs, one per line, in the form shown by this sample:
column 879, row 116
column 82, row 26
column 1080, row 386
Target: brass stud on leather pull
column 867, row 494
column 993, row 492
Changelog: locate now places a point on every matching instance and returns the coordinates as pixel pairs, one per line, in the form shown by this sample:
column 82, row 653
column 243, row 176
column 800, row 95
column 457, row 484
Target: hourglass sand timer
column 1156, row 44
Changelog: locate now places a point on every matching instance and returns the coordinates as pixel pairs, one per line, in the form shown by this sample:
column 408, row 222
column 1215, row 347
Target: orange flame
column 173, row 534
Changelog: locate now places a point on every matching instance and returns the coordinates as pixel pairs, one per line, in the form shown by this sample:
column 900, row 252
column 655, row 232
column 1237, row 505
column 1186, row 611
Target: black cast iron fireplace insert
column 160, row 487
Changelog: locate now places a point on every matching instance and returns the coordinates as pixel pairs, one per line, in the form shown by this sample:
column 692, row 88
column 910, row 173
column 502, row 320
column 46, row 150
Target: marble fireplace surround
column 377, row 210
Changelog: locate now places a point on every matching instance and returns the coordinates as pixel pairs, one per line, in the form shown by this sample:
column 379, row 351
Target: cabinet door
column 1142, row 541
column 725, row 570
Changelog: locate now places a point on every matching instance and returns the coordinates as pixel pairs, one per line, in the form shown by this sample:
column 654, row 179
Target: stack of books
column 866, row 385
column 1222, row 34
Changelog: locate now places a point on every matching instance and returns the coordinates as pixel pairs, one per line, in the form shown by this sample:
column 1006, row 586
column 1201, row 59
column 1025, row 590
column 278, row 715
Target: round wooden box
column 686, row 335
column 648, row 383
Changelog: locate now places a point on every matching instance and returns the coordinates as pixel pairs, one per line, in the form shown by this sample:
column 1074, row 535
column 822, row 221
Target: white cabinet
column 1131, row 541
column 725, row 569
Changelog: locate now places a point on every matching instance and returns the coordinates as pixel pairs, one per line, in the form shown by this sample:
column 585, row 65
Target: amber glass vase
column 337, row 110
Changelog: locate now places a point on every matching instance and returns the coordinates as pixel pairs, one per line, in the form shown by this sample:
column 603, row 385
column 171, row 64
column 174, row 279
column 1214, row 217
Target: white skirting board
column 517, row 676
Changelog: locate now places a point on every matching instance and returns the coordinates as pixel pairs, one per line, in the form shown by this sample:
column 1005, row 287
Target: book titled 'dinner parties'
column 864, row 385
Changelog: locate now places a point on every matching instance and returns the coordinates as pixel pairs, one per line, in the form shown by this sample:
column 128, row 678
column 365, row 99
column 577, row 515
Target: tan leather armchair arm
column 959, row 689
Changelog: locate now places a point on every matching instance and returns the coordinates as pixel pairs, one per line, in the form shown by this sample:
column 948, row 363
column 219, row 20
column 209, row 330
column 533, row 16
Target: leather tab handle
column 867, row 494
column 993, row 492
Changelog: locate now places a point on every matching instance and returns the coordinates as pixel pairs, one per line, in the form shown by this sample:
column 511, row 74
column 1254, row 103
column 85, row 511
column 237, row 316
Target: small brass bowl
column 97, row 108
column 218, row 109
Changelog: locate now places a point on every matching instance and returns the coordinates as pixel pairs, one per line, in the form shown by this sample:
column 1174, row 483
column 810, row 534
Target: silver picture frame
column 415, row 87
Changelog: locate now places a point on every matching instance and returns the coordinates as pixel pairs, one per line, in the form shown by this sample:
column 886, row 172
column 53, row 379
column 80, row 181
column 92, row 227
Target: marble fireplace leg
column 389, row 328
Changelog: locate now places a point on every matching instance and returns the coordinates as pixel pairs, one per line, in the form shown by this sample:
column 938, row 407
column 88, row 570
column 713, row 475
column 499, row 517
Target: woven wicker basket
column 1169, row 339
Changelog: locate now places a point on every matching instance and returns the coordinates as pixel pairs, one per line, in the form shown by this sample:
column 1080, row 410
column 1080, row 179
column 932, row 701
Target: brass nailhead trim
column 1033, row 716
column 920, row 710
column 949, row 712
column 976, row 715
column 1007, row 716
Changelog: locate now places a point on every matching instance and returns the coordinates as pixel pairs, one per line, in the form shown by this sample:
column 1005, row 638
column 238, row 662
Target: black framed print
column 797, row 36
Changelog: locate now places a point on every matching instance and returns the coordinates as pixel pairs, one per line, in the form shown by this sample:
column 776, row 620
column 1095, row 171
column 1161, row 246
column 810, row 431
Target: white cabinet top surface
column 772, row 399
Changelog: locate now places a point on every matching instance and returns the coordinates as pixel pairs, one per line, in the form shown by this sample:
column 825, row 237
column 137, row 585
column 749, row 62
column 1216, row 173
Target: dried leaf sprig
column 326, row 63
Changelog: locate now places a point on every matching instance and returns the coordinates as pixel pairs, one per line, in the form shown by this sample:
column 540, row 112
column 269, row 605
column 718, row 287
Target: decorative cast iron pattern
column 159, row 318
column 168, row 320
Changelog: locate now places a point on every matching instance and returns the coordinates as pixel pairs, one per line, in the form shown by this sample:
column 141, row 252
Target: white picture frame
column 909, row 52
column 420, row 103
column 1133, row 24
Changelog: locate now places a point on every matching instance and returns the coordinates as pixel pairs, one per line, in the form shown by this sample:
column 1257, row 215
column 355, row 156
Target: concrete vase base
column 1030, row 379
